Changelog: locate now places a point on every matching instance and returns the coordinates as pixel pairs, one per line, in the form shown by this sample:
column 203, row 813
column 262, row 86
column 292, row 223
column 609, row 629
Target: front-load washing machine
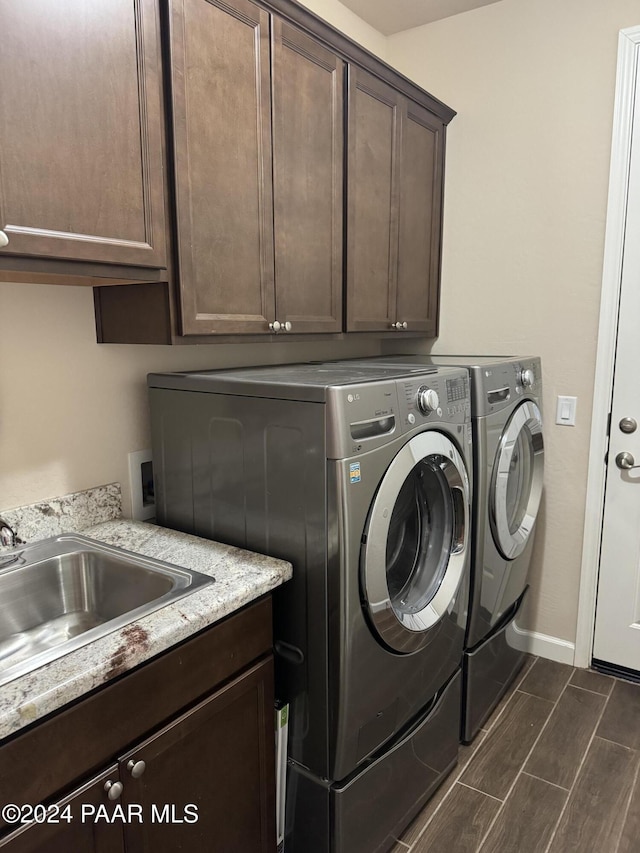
column 506, row 402
column 360, row 477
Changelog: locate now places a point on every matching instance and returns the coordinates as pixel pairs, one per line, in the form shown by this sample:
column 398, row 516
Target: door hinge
column 606, row 455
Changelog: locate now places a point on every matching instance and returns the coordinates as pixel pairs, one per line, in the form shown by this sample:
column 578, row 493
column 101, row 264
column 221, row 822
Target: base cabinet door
column 81, row 132
column 83, row 822
column 207, row 782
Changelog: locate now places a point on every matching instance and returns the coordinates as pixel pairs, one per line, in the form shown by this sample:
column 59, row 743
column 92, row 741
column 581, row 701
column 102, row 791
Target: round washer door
column 416, row 541
column 516, row 483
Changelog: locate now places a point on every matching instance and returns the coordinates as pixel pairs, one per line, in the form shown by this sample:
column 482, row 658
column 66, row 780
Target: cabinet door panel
column 218, row 757
column 222, row 139
column 81, row 172
column 372, row 202
column 308, row 188
column 420, row 223
column 76, row 831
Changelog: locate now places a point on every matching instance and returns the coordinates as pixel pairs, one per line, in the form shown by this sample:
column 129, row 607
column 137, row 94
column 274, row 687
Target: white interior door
column 617, row 626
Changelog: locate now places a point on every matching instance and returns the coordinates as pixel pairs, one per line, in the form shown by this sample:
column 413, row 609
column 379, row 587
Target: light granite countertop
column 240, row 577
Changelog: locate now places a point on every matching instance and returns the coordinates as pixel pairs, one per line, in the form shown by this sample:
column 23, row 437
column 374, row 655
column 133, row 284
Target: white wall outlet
column 143, row 505
column 566, row 411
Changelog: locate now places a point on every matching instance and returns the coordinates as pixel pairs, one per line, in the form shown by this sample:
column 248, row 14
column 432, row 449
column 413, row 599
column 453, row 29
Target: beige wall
column 526, row 191
column 348, row 22
column 527, row 170
column 71, row 410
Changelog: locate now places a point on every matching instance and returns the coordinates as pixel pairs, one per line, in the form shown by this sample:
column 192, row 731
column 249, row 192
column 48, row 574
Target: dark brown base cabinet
column 203, row 781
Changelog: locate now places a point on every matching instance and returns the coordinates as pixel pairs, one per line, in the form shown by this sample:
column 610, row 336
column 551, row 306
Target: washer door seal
column 416, row 542
column 516, row 482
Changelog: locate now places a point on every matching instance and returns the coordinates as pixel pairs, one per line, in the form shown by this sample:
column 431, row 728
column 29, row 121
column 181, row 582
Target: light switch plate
column 566, row 411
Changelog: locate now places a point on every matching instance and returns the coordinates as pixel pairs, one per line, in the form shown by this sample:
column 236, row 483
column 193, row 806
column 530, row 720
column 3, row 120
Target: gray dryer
column 508, row 462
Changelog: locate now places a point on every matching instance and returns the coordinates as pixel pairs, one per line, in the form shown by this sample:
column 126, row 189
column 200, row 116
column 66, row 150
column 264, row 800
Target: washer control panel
column 427, row 399
column 367, row 415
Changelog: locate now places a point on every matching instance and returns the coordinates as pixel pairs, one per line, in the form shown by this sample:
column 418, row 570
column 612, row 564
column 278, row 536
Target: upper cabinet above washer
column 81, row 137
column 294, row 203
column 394, row 204
column 304, row 202
column 257, row 131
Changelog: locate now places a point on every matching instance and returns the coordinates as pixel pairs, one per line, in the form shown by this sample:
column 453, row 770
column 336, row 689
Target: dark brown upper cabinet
column 285, row 210
column 308, row 167
column 257, row 131
column 394, row 207
column 81, row 140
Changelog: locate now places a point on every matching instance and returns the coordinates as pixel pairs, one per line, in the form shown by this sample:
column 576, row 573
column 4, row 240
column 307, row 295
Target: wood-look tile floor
column 555, row 770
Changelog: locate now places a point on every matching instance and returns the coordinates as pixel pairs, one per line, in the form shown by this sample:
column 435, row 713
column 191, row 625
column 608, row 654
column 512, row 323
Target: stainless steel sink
column 61, row 593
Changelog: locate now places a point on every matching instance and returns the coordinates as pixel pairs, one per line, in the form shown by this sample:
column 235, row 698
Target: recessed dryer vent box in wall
column 143, row 506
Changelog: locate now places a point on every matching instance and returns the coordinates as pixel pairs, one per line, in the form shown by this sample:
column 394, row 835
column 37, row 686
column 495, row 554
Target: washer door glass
column 517, row 480
column 416, row 540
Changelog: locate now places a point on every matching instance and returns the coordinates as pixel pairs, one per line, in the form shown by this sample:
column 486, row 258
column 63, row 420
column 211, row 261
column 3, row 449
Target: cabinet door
column 308, row 142
column 372, row 202
column 80, row 827
column 222, row 146
column 210, row 775
column 81, row 131
column 420, row 219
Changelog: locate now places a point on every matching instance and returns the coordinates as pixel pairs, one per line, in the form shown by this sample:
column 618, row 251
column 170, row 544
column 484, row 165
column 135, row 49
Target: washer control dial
column 527, row 377
column 427, row 399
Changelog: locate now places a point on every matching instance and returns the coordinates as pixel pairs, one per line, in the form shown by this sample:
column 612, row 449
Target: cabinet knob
column 400, row 325
column 4, row 240
column 136, row 768
column 287, row 326
column 113, row 789
column 405, row 325
column 275, row 326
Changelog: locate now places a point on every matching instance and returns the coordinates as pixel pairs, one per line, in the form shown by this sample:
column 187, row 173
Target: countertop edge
column 240, row 578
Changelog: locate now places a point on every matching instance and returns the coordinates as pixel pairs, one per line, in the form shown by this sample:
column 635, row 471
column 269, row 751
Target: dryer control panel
column 505, row 383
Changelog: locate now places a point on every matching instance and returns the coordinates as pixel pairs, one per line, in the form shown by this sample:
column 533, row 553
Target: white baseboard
column 541, row 645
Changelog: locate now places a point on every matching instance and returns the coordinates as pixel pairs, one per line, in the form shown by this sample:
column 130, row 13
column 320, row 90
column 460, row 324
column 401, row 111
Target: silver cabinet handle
column 136, row 768
column 113, row 789
column 404, row 324
column 626, row 461
column 4, row 240
column 400, row 325
column 277, row 326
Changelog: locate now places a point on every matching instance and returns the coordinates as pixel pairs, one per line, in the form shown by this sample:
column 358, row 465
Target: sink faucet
column 8, row 536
